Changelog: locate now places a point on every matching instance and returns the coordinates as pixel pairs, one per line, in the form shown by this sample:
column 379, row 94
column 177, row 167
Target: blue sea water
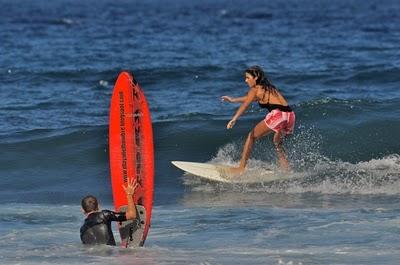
column 337, row 63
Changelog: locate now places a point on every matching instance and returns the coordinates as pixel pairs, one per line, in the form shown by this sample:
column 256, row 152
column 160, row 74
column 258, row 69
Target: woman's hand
column 230, row 124
column 227, row 98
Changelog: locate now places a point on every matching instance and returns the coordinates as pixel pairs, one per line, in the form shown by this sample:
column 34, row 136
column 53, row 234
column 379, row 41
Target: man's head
column 89, row 204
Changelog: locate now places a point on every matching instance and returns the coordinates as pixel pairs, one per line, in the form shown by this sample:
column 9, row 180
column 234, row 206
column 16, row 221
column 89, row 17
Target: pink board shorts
column 278, row 120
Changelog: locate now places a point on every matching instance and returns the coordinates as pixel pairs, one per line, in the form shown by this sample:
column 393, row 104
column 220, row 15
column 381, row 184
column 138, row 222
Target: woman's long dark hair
column 262, row 79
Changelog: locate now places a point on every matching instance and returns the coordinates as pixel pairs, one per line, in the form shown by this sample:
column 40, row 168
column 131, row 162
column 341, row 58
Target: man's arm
column 130, row 191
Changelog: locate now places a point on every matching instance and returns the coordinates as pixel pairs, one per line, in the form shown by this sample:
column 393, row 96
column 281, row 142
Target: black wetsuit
column 97, row 227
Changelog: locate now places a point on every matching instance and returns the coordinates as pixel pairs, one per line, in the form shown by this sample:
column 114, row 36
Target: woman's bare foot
column 236, row 171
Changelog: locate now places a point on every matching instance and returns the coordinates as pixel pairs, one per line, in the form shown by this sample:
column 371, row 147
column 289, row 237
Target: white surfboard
column 220, row 173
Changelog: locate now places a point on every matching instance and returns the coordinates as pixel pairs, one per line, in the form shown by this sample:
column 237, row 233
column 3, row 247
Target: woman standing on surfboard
column 280, row 119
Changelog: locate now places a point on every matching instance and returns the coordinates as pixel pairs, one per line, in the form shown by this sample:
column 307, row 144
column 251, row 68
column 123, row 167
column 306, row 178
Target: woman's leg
column 260, row 130
column 282, row 159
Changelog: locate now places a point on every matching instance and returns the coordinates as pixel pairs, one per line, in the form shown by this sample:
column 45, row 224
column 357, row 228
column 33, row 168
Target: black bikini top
column 271, row 107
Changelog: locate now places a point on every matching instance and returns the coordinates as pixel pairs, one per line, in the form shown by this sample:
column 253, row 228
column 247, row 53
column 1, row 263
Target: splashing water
column 313, row 172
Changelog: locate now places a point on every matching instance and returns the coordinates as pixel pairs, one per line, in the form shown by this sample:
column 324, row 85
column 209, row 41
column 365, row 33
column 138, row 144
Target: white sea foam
column 314, row 172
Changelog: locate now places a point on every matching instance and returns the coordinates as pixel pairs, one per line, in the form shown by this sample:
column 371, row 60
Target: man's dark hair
column 89, row 204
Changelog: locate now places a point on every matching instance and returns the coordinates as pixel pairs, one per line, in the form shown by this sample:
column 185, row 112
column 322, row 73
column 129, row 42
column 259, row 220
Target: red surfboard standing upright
column 131, row 154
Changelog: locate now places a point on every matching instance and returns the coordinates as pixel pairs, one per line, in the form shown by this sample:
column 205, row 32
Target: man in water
column 97, row 226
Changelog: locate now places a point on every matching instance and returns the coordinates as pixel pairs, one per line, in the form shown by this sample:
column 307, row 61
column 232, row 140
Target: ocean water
column 337, row 63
